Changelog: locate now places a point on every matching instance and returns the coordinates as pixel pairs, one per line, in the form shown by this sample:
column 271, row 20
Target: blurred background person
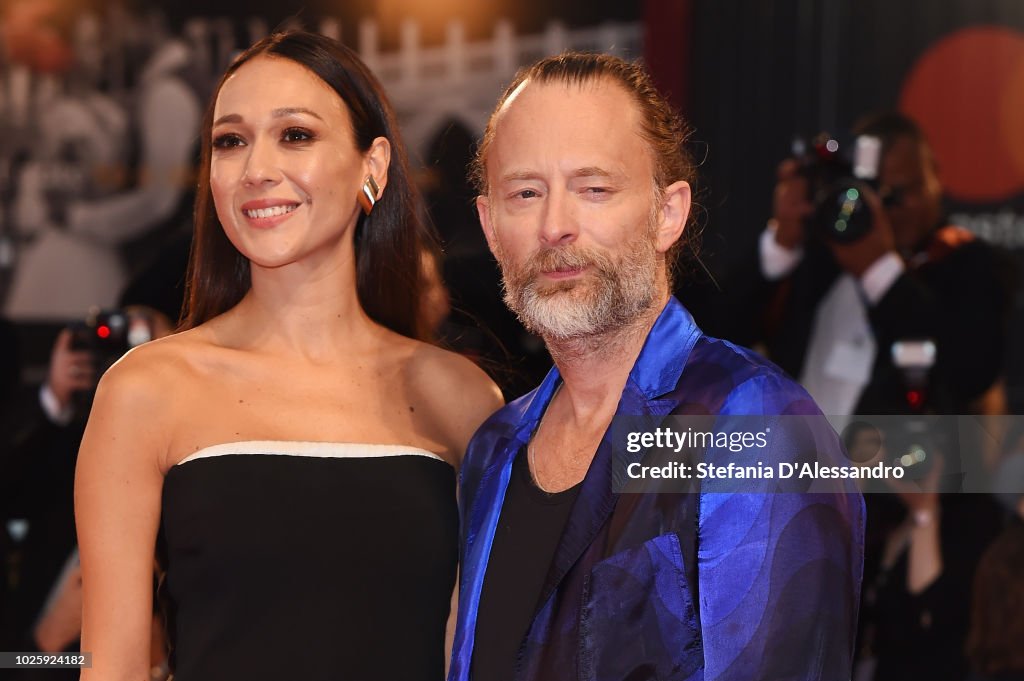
column 841, row 312
column 837, row 310
column 997, row 606
column 103, row 177
column 80, row 155
column 43, row 608
column 479, row 324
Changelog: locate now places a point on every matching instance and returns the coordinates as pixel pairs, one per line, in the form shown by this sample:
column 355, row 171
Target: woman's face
column 284, row 170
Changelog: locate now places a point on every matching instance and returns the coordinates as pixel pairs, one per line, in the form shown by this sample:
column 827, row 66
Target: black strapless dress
column 311, row 561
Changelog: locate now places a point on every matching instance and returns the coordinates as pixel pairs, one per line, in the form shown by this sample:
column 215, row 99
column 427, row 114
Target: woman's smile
column 266, row 213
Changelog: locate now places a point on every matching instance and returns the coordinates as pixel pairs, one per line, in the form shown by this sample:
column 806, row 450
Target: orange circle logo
column 967, row 93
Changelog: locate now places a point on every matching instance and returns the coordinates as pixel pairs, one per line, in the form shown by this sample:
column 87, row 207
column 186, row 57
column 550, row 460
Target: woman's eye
column 227, row 141
column 297, row 135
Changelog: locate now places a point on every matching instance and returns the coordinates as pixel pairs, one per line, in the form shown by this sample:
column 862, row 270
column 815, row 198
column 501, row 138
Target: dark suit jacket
column 950, row 292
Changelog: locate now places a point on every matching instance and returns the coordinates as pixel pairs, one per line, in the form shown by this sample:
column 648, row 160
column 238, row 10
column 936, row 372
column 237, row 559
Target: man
column 840, row 308
column 584, row 200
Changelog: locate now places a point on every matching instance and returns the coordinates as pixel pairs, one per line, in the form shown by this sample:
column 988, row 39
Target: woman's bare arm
column 118, row 487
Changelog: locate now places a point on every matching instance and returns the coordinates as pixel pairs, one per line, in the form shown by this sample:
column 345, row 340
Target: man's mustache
column 563, row 258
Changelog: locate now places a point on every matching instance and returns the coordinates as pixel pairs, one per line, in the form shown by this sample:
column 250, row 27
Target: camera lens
column 842, row 213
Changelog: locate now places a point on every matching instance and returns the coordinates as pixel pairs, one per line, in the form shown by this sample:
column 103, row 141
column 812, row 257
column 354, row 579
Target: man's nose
column 560, row 224
column 261, row 166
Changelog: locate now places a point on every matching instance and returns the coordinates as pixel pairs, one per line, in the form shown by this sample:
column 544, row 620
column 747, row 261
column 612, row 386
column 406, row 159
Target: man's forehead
column 578, row 130
column 576, row 125
column 532, row 95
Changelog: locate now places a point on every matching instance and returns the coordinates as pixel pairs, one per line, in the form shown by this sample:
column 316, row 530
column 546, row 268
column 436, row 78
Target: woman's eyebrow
column 276, row 113
column 228, row 118
column 288, row 111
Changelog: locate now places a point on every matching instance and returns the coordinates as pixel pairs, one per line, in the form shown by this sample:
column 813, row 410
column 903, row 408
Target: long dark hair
column 389, row 243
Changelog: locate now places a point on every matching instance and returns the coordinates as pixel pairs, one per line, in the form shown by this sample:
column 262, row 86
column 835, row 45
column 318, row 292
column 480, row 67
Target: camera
column 836, row 175
column 106, row 336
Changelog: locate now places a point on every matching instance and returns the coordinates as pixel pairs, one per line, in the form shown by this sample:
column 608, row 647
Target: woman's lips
column 268, row 213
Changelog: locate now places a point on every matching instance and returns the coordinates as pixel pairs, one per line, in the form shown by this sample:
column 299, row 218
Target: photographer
column 842, row 306
column 38, row 465
column 41, row 435
column 997, row 605
column 837, row 308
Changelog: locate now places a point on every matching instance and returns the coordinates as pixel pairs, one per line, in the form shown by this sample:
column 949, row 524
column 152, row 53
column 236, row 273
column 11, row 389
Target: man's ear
column 483, row 210
column 675, row 209
column 378, row 160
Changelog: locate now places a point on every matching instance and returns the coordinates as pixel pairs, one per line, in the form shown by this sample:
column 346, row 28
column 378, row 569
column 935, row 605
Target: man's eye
column 227, row 141
column 297, row 135
column 525, row 194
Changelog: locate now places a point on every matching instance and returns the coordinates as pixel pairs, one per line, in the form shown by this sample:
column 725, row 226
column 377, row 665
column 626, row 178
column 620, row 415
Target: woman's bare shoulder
column 148, row 375
column 453, row 370
column 145, row 394
column 164, row 358
column 460, row 394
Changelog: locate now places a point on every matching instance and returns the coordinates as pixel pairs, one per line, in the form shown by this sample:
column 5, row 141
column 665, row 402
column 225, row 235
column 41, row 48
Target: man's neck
column 594, row 370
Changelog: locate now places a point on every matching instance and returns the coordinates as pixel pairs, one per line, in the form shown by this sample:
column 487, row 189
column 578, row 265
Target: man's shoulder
column 721, row 375
column 955, row 245
column 488, row 444
column 957, row 260
column 498, row 428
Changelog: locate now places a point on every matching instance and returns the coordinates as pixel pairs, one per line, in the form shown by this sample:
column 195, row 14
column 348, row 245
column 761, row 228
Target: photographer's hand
column 70, row 370
column 790, row 205
column 858, row 256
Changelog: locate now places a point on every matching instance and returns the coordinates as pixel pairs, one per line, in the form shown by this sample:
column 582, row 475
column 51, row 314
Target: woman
column 294, row 447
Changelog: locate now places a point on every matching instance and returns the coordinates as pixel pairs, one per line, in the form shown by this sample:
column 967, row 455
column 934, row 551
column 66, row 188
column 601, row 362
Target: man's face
column 908, row 171
column 571, row 211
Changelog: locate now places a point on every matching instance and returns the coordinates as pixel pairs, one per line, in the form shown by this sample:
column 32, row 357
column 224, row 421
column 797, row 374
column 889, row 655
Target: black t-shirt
column 525, row 540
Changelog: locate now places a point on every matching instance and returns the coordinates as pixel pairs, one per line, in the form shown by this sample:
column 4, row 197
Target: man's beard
column 610, row 295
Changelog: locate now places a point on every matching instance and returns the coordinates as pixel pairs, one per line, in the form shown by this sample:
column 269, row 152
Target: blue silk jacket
column 700, row 585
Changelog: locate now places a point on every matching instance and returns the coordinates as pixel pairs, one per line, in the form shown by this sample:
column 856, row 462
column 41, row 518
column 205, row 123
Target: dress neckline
column 325, row 450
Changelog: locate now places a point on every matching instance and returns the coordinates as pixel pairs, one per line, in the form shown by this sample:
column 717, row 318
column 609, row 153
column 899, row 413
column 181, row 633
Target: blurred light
column 907, row 460
column 832, row 146
column 840, row 225
column 852, row 194
column 914, row 398
column 139, row 332
column 866, row 156
column 17, row 528
column 103, row 331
